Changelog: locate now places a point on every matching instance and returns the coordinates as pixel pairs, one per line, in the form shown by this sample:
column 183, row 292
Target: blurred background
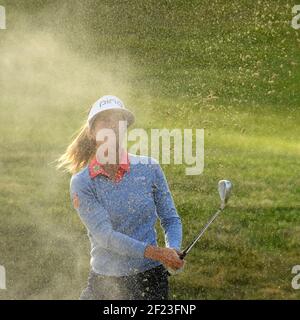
column 231, row 68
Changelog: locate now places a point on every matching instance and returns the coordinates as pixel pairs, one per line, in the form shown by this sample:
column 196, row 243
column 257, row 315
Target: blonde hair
column 80, row 151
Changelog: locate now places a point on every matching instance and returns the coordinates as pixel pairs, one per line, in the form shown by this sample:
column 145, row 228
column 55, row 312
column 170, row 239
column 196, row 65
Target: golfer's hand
column 167, row 256
column 180, row 253
column 171, row 259
column 174, row 272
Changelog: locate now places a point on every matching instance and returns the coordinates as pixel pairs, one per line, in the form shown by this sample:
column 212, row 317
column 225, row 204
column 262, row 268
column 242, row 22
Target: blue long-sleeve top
column 120, row 217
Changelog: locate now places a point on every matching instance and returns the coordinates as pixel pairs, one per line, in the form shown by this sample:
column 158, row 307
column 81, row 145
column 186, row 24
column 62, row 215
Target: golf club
column 224, row 188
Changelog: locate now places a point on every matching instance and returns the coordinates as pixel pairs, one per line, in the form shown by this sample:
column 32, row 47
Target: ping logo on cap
column 102, row 103
column 109, row 102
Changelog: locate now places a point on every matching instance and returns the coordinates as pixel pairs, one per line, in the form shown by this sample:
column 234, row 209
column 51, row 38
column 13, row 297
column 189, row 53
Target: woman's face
column 109, row 120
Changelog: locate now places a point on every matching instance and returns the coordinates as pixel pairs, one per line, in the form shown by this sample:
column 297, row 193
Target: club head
column 224, row 188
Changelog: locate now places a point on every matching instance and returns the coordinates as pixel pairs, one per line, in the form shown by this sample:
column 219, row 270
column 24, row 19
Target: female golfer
column 119, row 203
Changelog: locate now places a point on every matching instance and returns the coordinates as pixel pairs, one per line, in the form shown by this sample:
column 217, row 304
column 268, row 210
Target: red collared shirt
column 96, row 168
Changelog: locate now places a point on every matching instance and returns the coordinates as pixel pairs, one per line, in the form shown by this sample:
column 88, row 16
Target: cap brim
column 130, row 118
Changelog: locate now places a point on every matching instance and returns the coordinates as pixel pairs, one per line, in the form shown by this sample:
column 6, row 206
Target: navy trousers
column 152, row 284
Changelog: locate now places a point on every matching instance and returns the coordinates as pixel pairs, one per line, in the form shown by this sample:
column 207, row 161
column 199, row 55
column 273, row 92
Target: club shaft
column 188, row 248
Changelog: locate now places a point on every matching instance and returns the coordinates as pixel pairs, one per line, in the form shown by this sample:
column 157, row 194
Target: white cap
column 109, row 102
